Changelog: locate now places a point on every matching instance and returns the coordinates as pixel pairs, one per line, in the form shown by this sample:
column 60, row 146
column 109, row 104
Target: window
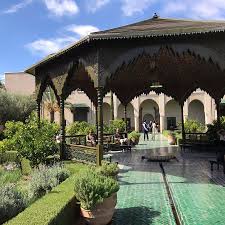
column 171, row 123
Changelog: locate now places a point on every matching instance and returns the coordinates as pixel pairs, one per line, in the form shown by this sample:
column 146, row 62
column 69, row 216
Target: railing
column 76, row 139
column 81, row 139
column 197, row 137
column 81, row 153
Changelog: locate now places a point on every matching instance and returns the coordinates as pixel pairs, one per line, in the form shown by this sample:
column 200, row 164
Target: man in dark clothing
column 145, row 129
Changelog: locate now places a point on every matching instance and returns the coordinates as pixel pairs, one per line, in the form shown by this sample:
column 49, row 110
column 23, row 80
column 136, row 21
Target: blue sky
column 32, row 29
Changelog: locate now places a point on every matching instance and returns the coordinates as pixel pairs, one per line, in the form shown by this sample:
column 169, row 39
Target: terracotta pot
column 103, row 212
column 171, row 139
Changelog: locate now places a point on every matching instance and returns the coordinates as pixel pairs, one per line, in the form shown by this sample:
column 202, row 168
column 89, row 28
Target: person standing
column 154, row 127
column 145, row 129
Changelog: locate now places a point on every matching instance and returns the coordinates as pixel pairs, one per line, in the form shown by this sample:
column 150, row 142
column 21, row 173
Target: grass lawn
column 9, row 176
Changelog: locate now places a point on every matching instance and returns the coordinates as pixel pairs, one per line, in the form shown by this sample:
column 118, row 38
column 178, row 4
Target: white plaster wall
column 196, row 111
column 106, row 113
column 172, row 109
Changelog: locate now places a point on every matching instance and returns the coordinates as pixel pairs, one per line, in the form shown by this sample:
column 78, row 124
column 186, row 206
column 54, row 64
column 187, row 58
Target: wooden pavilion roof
column 154, row 27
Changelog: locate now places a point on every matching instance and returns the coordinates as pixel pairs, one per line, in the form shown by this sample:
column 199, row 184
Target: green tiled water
column 142, row 200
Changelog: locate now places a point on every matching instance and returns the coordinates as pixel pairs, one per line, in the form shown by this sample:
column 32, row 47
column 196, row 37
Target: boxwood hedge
column 58, row 207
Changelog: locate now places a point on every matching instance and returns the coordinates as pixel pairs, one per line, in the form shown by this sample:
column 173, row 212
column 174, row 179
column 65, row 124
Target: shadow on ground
column 134, row 216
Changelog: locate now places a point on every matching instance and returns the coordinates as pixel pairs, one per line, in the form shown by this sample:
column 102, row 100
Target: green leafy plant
column 11, row 202
column 116, row 124
column 213, row 128
column 31, row 142
column 92, row 188
column 11, row 176
column 193, row 126
column 78, row 128
column 134, row 137
column 108, row 169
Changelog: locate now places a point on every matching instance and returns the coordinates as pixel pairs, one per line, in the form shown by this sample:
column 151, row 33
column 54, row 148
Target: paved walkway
column 198, row 195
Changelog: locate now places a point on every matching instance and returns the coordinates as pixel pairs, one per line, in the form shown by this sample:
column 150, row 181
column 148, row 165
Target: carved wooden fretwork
column 178, row 73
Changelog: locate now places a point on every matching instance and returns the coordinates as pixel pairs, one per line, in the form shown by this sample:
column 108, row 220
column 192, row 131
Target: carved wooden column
column 182, row 122
column 125, row 117
column 96, row 121
column 39, row 112
column 100, row 126
column 217, row 101
column 62, row 127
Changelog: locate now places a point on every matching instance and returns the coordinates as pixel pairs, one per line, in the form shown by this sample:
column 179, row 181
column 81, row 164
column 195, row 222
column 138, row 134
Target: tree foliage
column 15, row 107
column 31, row 142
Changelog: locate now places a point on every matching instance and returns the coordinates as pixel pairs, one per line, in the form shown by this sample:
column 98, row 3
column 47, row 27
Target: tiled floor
column 198, row 194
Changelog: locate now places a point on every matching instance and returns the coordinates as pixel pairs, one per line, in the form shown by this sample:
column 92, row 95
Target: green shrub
column 45, row 178
column 11, row 202
column 78, row 128
column 117, row 124
column 193, row 126
column 56, row 208
column 213, row 128
column 8, row 156
column 108, row 169
column 92, row 188
column 25, row 167
column 30, row 141
column 11, row 176
column 134, row 135
column 166, row 133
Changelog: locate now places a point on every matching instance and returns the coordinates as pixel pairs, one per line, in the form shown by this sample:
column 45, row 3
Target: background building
column 161, row 108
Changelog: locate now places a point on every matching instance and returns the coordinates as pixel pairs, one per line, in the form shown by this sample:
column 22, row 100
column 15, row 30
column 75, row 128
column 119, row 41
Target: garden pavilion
column 164, row 55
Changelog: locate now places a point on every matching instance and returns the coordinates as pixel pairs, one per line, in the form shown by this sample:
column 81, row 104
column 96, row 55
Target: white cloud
column 18, row 6
column 43, row 47
column 82, row 30
column 94, row 5
column 131, row 7
column 62, row 7
column 201, row 9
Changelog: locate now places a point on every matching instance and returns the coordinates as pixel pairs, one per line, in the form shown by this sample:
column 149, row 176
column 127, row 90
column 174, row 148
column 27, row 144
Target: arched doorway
column 196, row 111
column 130, row 115
column 172, row 114
column 148, row 117
column 149, row 111
column 106, row 113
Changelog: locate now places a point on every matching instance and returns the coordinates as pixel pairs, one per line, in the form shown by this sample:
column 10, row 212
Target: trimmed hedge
column 8, row 156
column 58, row 207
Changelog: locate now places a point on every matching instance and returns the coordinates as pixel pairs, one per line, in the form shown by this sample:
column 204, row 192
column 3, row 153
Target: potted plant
column 171, row 138
column 108, row 169
column 134, row 137
column 97, row 196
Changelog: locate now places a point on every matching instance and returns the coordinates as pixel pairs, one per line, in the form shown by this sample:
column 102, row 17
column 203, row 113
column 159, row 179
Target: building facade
column 161, row 108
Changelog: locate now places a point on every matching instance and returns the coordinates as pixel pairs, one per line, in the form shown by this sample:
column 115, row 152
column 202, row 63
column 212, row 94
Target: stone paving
column 198, row 194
